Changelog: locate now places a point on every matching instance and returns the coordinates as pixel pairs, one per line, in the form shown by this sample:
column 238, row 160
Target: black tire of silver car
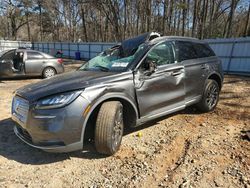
column 49, row 72
column 109, row 128
column 210, row 96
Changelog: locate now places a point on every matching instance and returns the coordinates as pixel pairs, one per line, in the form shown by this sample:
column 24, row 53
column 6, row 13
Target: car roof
column 27, row 50
column 176, row 38
column 20, row 49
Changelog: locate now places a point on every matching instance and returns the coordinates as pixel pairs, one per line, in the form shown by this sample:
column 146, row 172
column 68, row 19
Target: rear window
column 203, row 50
column 34, row 55
column 185, row 51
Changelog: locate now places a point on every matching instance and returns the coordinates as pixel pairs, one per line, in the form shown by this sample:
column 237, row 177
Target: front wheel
column 49, row 72
column 109, row 127
column 210, row 96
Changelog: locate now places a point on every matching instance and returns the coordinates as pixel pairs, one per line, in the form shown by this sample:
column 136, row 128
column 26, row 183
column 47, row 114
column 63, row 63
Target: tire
column 49, row 72
column 210, row 96
column 109, row 128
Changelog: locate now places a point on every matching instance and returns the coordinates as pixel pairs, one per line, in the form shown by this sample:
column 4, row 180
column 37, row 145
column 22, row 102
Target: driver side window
column 161, row 54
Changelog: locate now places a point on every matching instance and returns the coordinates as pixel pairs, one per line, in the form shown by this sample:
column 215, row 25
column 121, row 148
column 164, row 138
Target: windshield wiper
column 102, row 68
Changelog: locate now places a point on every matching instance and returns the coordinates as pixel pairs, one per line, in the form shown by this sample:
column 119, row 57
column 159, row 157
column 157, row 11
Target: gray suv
column 113, row 91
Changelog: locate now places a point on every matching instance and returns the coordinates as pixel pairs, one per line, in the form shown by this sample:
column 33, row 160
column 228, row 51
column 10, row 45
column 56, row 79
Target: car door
column 162, row 91
column 33, row 63
column 6, row 64
column 18, row 62
column 194, row 69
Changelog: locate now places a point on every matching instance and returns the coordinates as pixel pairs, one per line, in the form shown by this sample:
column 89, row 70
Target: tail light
column 60, row 61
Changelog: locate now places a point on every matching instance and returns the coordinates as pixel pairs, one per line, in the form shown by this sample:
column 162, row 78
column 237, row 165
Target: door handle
column 175, row 73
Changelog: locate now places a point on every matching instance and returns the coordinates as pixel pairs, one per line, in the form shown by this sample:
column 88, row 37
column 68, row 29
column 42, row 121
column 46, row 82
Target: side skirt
column 164, row 113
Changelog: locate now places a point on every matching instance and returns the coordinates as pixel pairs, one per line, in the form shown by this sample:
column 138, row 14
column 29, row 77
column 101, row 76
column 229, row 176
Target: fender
column 102, row 99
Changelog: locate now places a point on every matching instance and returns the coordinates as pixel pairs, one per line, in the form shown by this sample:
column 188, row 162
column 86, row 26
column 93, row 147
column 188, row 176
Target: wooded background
column 115, row 20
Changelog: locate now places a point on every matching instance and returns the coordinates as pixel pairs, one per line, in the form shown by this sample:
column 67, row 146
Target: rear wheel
column 109, row 128
column 210, row 96
column 49, row 72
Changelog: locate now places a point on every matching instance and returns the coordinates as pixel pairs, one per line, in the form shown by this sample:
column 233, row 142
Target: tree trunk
column 40, row 21
column 202, row 20
column 165, row 3
column 28, row 25
column 205, row 9
column 179, row 22
column 148, row 10
column 125, row 19
column 138, row 16
column 199, row 18
column 170, row 15
column 211, row 18
column 84, row 29
column 188, row 21
column 184, row 10
column 194, row 18
column 228, row 32
column 247, row 21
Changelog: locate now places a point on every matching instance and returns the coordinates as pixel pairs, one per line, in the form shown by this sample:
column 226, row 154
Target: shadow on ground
column 12, row 148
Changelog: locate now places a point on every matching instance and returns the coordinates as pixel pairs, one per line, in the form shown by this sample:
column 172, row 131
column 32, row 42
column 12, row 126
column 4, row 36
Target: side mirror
column 149, row 67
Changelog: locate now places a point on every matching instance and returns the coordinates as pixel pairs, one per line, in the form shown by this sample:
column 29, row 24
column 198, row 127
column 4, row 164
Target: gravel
column 186, row 149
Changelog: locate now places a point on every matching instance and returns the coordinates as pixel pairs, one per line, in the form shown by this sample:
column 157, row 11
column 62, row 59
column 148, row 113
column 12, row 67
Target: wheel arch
column 129, row 107
column 216, row 77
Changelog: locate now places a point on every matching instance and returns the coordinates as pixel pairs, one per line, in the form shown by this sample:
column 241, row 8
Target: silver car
column 113, row 91
column 24, row 62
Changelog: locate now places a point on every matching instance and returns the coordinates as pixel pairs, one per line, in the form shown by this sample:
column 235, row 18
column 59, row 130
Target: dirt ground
column 186, row 149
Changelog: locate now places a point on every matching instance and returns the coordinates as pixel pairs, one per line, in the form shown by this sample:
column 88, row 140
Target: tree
column 115, row 20
column 228, row 31
column 247, row 28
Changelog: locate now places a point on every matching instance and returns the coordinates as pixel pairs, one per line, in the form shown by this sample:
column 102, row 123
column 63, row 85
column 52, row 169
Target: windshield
column 111, row 60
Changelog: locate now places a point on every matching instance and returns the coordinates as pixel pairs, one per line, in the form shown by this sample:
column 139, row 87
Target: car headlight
column 57, row 101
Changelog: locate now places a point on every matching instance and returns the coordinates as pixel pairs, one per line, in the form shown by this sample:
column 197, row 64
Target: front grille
column 20, row 109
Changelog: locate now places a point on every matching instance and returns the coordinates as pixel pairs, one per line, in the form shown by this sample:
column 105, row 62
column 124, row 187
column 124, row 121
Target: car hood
column 62, row 83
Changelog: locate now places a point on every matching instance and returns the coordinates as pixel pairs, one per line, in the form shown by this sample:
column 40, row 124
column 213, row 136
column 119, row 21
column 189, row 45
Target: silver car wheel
column 49, row 72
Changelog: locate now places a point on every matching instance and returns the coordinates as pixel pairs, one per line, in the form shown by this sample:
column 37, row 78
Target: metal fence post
column 78, row 49
column 61, row 48
column 69, row 49
column 230, row 57
column 101, row 47
column 89, row 51
column 54, row 51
